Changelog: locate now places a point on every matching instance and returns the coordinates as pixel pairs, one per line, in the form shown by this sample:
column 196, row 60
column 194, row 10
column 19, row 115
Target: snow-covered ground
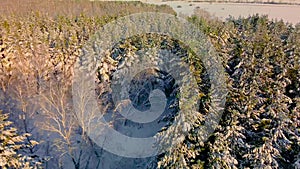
column 289, row 13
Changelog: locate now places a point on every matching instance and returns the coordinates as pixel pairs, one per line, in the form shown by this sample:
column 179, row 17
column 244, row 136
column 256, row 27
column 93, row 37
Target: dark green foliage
column 260, row 125
column 11, row 143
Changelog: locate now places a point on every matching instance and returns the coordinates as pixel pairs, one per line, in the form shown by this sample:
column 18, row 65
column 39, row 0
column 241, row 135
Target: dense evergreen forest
column 260, row 126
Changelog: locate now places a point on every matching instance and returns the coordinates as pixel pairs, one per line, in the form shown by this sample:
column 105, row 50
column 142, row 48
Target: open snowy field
column 289, row 13
column 238, row 1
